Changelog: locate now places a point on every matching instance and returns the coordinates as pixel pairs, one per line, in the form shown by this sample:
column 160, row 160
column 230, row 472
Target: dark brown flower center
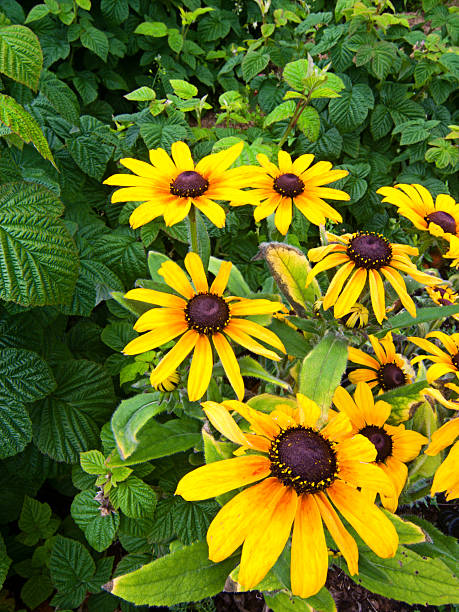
column 207, row 313
column 370, row 250
column 303, row 459
column 189, row 184
column 380, row 439
column 391, row 376
column 444, row 220
column 288, row 185
column 455, row 360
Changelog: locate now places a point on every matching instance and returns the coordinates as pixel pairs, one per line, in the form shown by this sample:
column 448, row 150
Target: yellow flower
column 447, row 475
column 169, row 384
column 387, row 368
column 437, row 395
column 169, row 187
column 304, row 470
column 298, row 183
column 453, row 252
column 199, row 315
column 444, row 363
column 357, row 316
column 443, row 295
column 366, row 255
column 416, row 204
column 395, row 445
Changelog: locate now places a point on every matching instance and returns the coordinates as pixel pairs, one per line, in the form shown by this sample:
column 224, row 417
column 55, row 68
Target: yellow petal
column 443, row 437
column 201, row 369
column 245, row 307
column 170, row 362
column 268, row 536
column 377, row 295
column 309, row 566
column 261, row 423
column 213, row 211
column 155, row 338
column 177, row 211
column 358, row 356
column 221, row 419
column 255, row 329
column 182, row 156
column 285, row 162
column 398, row 284
column 176, row 278
column 159, row 317
column 239, row 336
column 159, row 298
column 195, row 269
column 140, row 167
column 283, row 216
column 309, row 411
column 375, row 529
column 145, row 213
column 348, row 298
column 357, row 448
column 221, row 280
column 229, row 363
column 337, row 283
column 344, row 402
column 222, row 476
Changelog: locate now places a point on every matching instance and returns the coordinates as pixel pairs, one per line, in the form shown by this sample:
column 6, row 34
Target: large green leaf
column 99, row 529
column 24, row 375
column 135, row 498
column 38, row 259
column 15, row 427
column 182, row 576
column 423, row 315
column 60, row 96
column 350, row 110
column 322, row 370
column 66, row 422
column 19, row 121
column 72, row 569
column 21, row 57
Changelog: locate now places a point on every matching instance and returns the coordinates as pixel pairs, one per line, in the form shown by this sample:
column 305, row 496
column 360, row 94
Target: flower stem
column 193, row 230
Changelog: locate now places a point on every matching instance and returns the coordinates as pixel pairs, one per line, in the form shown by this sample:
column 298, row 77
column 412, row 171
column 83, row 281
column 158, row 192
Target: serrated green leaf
column 280, row 113
column 285, row 602
column 156, row 29
column 21, row 57
column 350, row 110
column 289, row 268
column 322, row 369
column 96, row 41
column 141, row 94
column 19, row 121
column 24, row 375
column 437, row 544
column 36, row 590
column 380, row 121
column 71, row 567
column 65, row 422
column 60, row 96
column 38, row 260
column 451, row 62
column 253, row 63
column 295, row 343
column 192, row 519
column 99, row 529
column 157, row 135
column 135, row 498
column 309, row 123
column 295, row 74
column 34, row 520
column 15, row 427
column 183, row 576
column 93, row 462
column 90, row 154
column 183, row 89
column 37, row 12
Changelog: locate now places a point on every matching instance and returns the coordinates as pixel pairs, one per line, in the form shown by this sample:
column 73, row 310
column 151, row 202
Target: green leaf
column 21, row 57
column 90, row 154
column 322, row 369
column 19, row 121
column 37, row 12
column 254, row 63
column 162, row 135
column 99, row 529
column 423, row 315
column 295, row 74
column 34, row 521
column 15, row 427
column 141, row 94
column 183, row 89
column 403, row 399
column 135, row 498
column 203, row 239
column 309, row 123
column 96, row 41
column 412, row 132
column 408, row 577
column 93, row 462
column 60, row 96
column 251, row 367
column 236, row 282
column 280, row 113
column 116, row 10
column 408, row 532
column 285, row 602
column 295, row 343
column 350, row 110
column 152, row 28
column 182, row 576
column 65, row 422
column 437, row 544
column 159, row 440
column 116, row 335
column 5, row 562
column 175, row 40
column 289, row 268
column 24, row 375
column 380, row 122
column 329, row 89
column 71, row 567
column 451, row 62
column 129, row 418
column 192, row 519
column 36, row 590
column 38, row 259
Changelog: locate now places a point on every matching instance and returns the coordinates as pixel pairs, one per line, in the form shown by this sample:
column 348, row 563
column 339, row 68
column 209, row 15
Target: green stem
column 301, row 105
column 193, row 230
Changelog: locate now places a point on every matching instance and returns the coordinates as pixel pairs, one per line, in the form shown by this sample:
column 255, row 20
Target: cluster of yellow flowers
column 305, row 469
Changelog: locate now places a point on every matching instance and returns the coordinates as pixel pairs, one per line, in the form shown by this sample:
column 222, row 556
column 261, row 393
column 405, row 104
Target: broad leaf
column 237, row 285
column 21, row 57
column 24, row 375
column 15, row 427
column 99, row 529
column 71, row 567
column 135, row 498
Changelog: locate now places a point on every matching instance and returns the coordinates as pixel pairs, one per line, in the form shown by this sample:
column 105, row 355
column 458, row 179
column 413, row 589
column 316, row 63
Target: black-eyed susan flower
column 202, row 317
column 446, row 477
column 169, row 187
column 416, row 204
column 366, row 256
column 453, row 251
column 444, row 362
column 278, row 188
column 443, row 295
column 395, row 445
column 387, row 369
column 307, row 474
column 356, row 317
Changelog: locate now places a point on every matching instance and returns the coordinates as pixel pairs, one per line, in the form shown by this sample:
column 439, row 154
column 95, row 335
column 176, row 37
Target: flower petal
column 176, row 278
column 200, row 369
column 195, row 269
column 159, row 298
column 153, row 339
column 229, row 363
column 182, row 156
column 239, row 336
column 221, row 280
column 174, row 357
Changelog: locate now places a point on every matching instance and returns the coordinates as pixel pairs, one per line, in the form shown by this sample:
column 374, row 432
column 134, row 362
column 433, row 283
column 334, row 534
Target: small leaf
column 93, row 462
column 289, row 268
column 309, row 123
column 34, row 520
column 403, row 399
column 295, row 74
column 183, row 89
column 96, row 41
column 253, row 63
column 135, row 498
column 141, row 94
column 99, row 530
column 182, row 576
column 280, row 113
column 152, row 28
column 15, row 427
column 322, row 370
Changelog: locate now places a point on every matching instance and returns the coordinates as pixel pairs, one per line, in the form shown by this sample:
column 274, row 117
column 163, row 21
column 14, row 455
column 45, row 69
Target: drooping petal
column 348, row 298
column 398, row 284
column 213, row 211
column 239, row 336
column 358, row 356
column 261, row 423
column 337, row 283
column 174, row 357
column 258, row 331
column 309, row 566
column 229, row 363
column 377, row 295
column 222, row 476
column 283, row 216
column 309, row 411
column 443, row 437
column 200, row 369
